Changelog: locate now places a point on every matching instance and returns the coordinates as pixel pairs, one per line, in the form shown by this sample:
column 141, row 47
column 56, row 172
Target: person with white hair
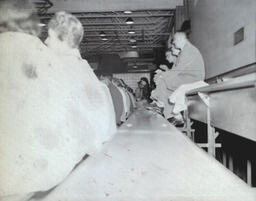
column 188, row 69
column 65, row 33
column 189, row 66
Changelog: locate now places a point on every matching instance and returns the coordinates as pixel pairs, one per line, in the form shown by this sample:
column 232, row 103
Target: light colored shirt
column 188, row 68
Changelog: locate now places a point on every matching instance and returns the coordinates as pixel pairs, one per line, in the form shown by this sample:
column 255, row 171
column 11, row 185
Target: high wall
column 213, row 24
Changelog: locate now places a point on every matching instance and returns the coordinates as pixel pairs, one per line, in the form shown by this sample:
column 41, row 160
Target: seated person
column 160, row 94
column 142, row 92
column 64, row 36
column 116, row 95
column 188, row 69
column 111, row 112
column 125, row 98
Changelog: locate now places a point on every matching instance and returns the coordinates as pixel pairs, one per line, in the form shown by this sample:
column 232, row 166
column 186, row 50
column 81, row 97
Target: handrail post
column 210, row 130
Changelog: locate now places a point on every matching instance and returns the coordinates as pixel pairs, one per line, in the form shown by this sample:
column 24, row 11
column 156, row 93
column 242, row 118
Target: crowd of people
column 54, row 110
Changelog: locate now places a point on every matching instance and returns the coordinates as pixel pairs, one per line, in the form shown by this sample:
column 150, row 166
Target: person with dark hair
column 143, row 90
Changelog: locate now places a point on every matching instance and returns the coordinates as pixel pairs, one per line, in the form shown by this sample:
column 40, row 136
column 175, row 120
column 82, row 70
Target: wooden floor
column 150, row 160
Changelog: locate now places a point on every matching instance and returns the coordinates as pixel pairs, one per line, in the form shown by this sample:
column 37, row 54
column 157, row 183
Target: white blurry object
column 94, row 105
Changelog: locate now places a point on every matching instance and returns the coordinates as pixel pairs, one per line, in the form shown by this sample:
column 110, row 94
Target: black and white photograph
column 127, row 100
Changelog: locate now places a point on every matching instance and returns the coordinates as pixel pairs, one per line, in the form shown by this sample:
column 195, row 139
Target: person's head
column 179, row 40
column 140, row 84
column 144, row 81
column 64, row 28
column 18, row 16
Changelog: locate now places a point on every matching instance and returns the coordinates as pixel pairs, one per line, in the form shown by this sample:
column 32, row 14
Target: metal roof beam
column 118, row 29
column 124, row 48
column 130, row 35
column 117, row 24
column 85, row 15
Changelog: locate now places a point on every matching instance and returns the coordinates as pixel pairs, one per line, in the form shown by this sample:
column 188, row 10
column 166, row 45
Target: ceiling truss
column 151, row 27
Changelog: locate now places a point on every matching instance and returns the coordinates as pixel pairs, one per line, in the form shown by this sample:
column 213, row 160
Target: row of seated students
column 122, row 97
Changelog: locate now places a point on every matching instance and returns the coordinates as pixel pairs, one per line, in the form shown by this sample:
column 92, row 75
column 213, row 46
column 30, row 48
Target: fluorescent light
column 102, row 34
column 129, row 20
column 134, row 46
column 104, row 39
column 41, row 25
column 132, row 40
column 127, row 12
column 131, row 32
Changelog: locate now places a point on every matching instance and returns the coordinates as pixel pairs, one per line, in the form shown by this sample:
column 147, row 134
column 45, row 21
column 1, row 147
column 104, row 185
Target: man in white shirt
column 188, row 68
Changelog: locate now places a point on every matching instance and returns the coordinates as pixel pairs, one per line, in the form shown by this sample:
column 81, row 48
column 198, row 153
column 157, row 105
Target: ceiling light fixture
column 131, row 32
column 102, row 34
column 132, row 40
column 129, row 20
column 127, row 12
column 41, row 25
